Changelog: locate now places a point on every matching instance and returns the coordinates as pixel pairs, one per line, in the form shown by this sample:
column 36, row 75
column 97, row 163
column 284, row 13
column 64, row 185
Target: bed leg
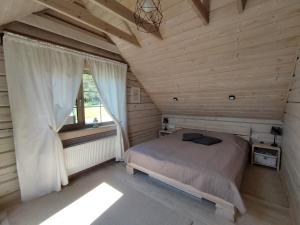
column 130, row 170
column 226, row 211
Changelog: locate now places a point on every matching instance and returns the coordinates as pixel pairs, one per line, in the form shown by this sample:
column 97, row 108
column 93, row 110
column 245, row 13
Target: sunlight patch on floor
column 87, row 208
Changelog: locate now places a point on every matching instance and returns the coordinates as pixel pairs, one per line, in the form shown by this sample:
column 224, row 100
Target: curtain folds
column 110, row 78
column 43, row 82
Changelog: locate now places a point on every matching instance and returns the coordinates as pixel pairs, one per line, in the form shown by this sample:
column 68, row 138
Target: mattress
column 217, row 169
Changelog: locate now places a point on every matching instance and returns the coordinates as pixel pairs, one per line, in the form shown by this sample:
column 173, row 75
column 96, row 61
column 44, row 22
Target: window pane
column 92, row 115
column 93, row 108
column 105, row 117
column 88, row 83
column 72, row 118
column 91, row 99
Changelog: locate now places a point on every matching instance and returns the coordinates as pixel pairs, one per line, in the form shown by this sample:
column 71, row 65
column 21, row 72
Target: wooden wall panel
column 291, row 145
column 6, row 125
column 2, row 66
column 260, row 128
column 9, row 186
column 4, row 99
column 3, row 84
column 5, row 114
column 143, row 118
column 249, row 55
column 8, row 170
column 7, row 159
column 6, row 144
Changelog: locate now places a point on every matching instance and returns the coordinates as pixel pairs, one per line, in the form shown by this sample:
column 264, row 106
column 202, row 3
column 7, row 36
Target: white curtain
column 110, row 78
column 43, row 82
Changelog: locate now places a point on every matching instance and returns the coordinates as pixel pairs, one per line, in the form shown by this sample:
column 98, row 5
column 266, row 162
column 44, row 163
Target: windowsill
column 77, row 137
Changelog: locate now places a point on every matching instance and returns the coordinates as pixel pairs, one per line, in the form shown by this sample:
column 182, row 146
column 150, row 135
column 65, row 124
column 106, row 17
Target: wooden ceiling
column 248, row 54
column 11, row 10
column 201, row 56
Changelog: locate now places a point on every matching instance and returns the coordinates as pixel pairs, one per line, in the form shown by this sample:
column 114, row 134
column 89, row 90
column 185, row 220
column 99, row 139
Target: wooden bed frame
column 223, row 208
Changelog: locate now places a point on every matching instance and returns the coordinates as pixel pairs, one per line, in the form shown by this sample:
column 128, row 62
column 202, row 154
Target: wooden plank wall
column 143, row 118
column 260, row 128
column 291, row 145
column 9, row 185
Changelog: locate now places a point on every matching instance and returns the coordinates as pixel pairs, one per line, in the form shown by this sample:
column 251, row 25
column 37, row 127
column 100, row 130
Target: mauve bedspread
column 217, row 169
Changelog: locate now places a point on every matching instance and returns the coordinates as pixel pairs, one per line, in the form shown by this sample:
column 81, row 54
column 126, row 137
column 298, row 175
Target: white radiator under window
column 84, row 156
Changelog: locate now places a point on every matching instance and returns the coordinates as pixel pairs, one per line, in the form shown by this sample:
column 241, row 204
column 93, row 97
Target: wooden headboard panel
column 210, row 124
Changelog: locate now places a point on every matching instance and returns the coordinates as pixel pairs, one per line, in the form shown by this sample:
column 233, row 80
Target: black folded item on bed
column 200, row 139
column 205, row 140
column 191, row 136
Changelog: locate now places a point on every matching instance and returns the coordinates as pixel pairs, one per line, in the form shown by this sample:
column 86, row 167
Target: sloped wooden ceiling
column 249, row 55
column 11, row 10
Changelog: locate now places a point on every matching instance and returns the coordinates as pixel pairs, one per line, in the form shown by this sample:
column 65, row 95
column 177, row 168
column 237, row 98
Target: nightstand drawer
column 265, row 160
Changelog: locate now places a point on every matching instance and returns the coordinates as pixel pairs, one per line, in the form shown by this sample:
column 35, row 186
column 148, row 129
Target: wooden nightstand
column 266, row 155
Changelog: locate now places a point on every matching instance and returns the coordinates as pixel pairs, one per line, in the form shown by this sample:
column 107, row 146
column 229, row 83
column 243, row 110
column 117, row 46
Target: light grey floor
column 263, row 195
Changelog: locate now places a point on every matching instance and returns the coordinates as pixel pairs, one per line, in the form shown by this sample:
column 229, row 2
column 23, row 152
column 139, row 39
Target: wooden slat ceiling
column 11, row 10
column 249, row 54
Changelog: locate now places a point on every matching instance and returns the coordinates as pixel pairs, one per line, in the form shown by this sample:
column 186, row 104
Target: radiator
column 84, row 156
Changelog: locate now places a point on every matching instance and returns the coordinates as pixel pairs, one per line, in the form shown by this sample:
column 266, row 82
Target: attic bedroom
column 149, row 112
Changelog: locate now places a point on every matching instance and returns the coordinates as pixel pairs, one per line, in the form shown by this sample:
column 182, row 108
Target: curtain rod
column 63, row 47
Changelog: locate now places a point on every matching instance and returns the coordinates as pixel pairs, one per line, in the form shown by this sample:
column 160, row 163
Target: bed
column 212, row 172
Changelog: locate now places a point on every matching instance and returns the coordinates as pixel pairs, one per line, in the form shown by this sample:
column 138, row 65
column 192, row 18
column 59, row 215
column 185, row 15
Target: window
column 88, row 110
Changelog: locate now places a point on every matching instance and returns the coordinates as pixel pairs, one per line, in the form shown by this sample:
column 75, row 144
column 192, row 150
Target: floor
column 261, row 189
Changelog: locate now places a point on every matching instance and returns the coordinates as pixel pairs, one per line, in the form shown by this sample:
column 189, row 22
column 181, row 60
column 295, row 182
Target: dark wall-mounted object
column 165, row 122
column 276, row 131
column 175, row 99
column 231, row 97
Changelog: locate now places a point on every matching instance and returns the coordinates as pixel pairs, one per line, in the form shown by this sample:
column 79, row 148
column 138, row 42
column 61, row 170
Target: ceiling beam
column 241, row 5
column 82, row 15
column 46, row 36
column 62, row 28
column 124, row 13
column 61, row 17
column 201, row 8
